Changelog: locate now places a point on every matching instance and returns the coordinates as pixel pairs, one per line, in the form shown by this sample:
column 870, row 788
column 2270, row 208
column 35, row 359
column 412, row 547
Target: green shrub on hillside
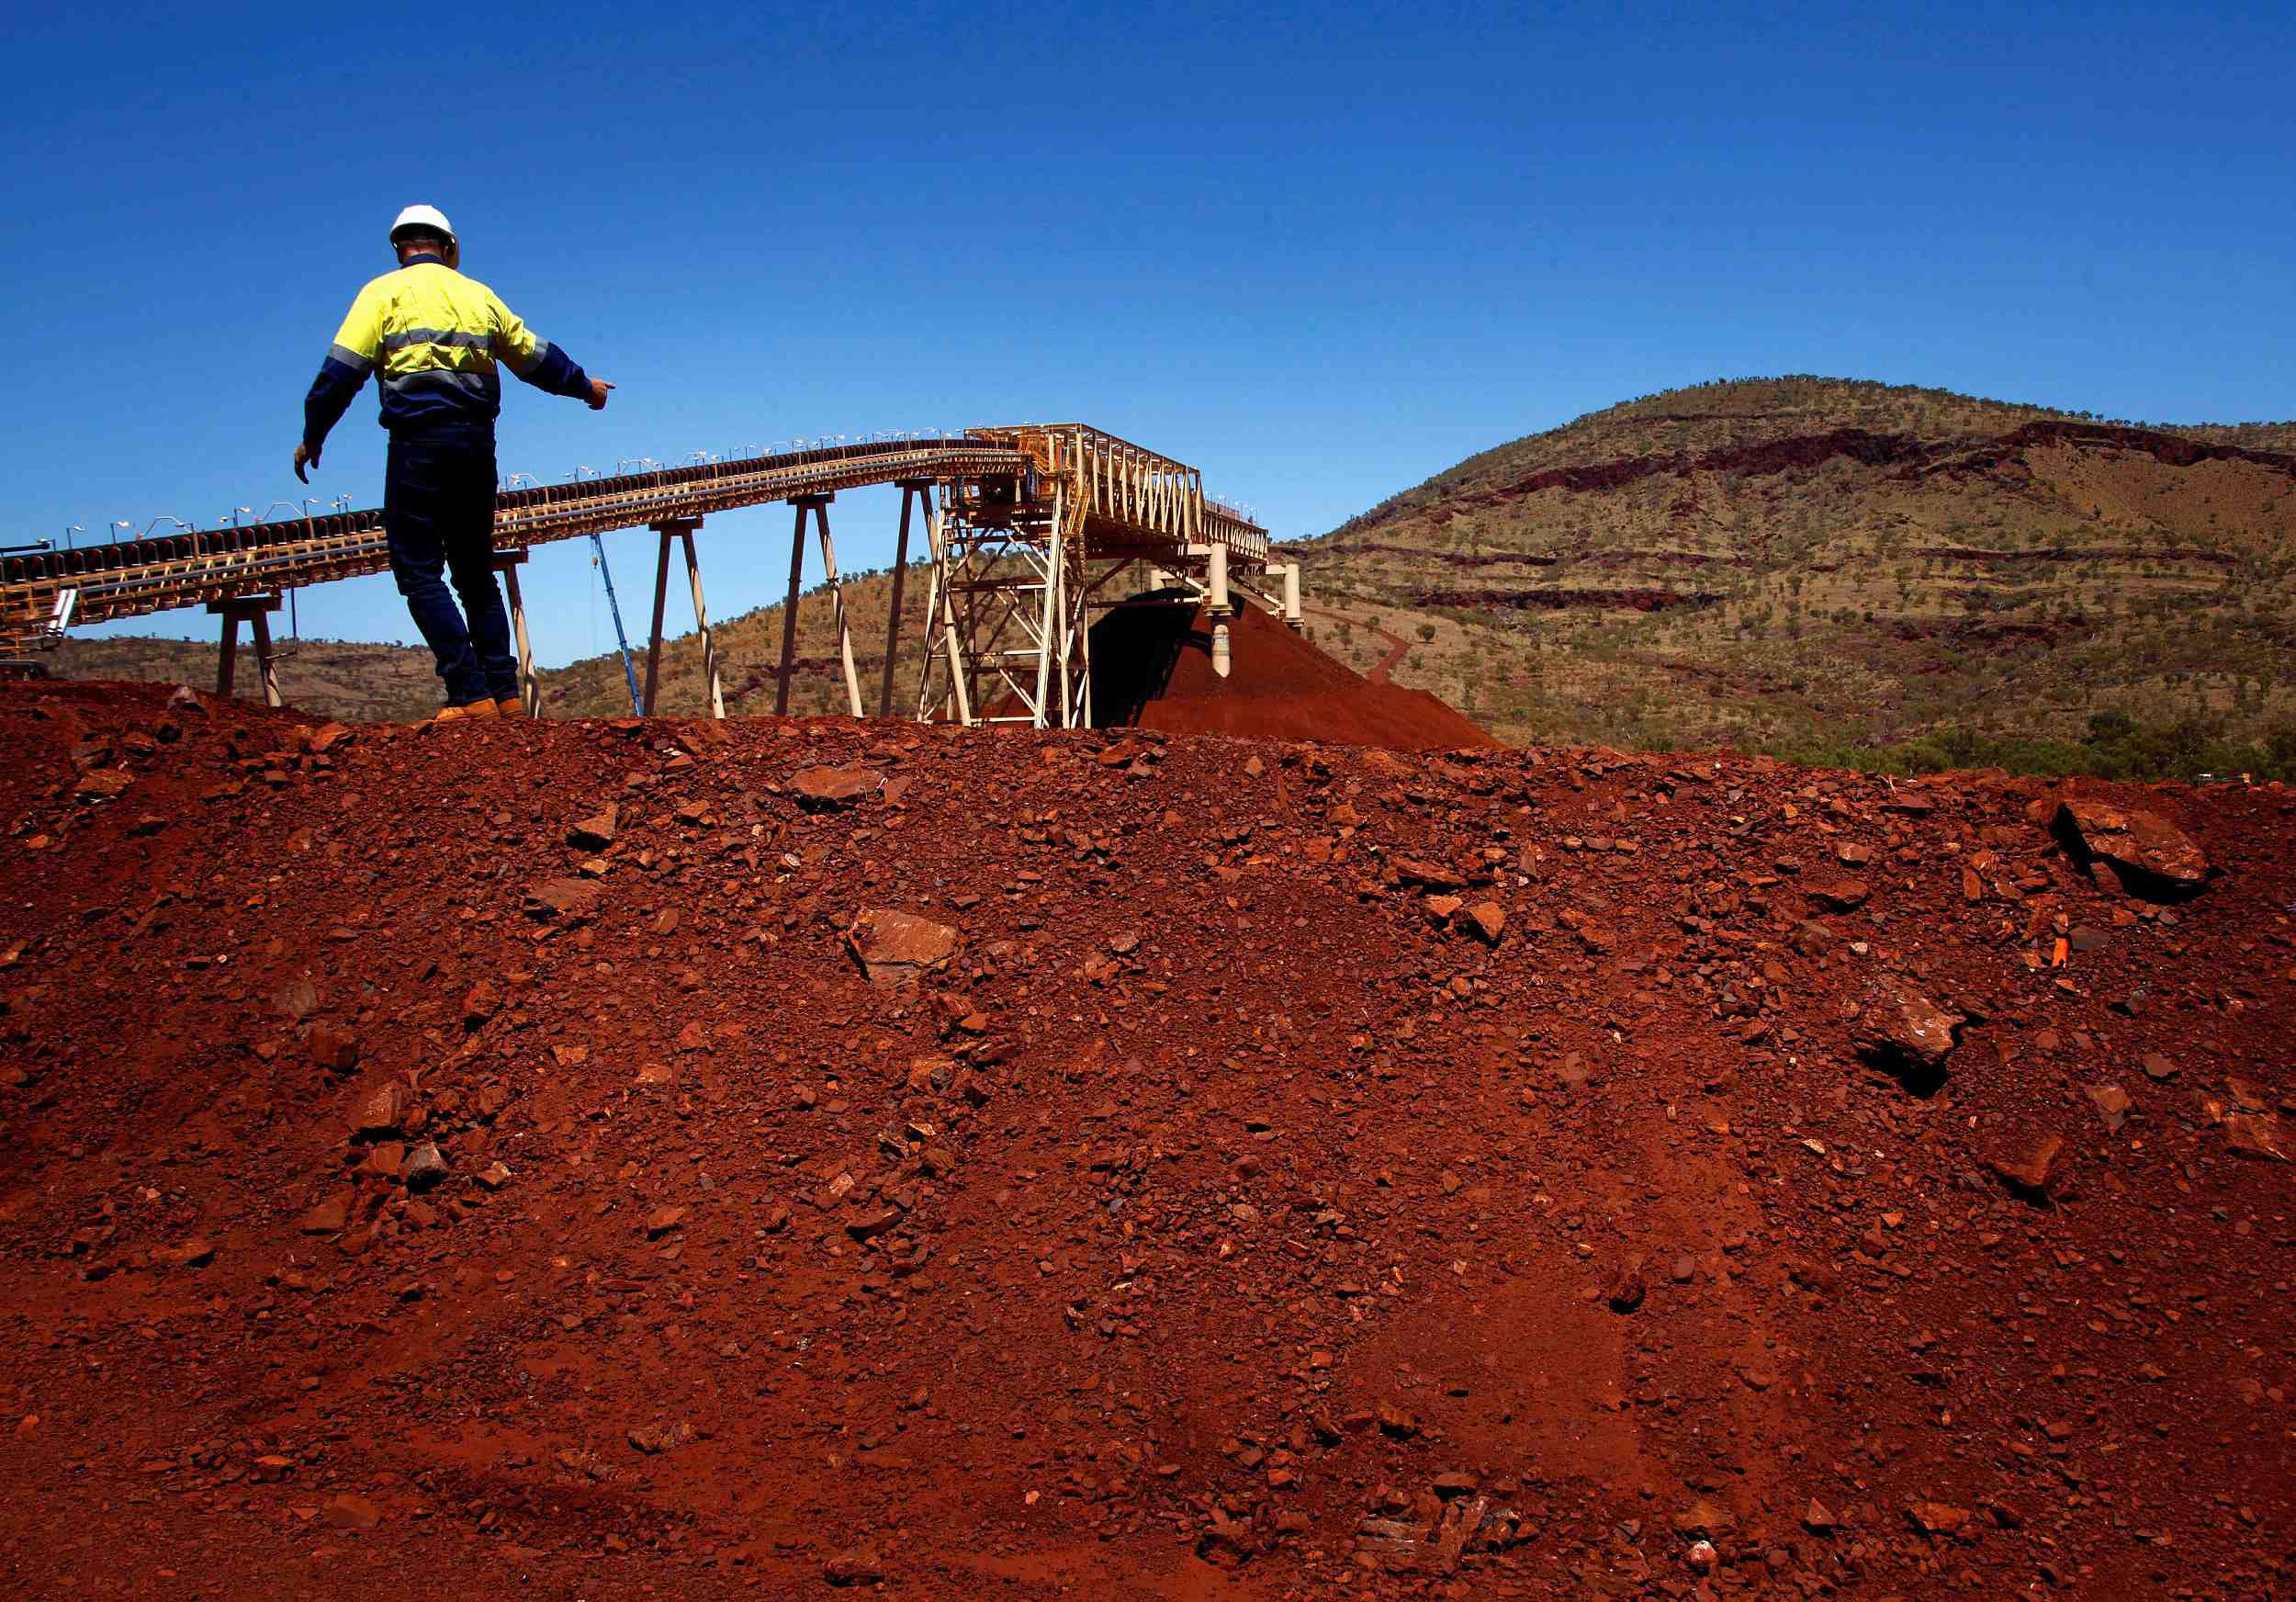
column 2116, row 746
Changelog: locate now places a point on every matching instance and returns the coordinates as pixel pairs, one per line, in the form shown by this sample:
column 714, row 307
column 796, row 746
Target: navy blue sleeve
column 558, row 374
column 330, row 396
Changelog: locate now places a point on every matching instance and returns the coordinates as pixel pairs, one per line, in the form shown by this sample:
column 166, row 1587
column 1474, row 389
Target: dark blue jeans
column 438, row 510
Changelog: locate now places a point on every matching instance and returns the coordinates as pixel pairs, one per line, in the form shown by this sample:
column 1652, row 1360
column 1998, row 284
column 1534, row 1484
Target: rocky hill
column 1821, row 564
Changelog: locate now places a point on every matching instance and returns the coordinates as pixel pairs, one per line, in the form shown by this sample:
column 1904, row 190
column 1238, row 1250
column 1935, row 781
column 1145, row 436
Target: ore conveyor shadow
column 1136, row 648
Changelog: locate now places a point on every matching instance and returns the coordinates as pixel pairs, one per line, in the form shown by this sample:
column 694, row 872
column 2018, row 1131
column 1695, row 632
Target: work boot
column 463, row 714
column 511, row 706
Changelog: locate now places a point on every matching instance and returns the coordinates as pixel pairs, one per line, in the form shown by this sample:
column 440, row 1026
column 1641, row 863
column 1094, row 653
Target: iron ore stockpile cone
column 1152, row 667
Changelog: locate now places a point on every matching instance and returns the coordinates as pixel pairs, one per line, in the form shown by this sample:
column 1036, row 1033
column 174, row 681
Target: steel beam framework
column 1007, row 611
column 1018, row 520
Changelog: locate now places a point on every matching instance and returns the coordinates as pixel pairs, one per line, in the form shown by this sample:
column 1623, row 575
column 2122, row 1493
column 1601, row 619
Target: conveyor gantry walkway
column 1026, row 525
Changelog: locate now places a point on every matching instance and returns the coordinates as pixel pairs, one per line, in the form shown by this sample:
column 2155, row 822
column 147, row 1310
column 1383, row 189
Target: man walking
column 436, row 337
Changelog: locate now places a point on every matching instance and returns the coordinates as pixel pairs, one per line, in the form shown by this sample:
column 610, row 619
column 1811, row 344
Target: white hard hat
column 423, row 217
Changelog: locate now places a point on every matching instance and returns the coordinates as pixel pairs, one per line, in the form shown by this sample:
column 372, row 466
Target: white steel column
column 837, row 603
column 507, row 563
column 702, row 623
column 254, row 611
column 266, row 664
column 682, row 530
column 945, row 639
column 1052, row 627
column 910, row 490
column 653, row 638
column 789, row 607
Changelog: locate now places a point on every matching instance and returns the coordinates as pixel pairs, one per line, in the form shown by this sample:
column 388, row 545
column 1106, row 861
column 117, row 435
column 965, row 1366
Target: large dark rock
column 1905, row 1031
column 2151, row 856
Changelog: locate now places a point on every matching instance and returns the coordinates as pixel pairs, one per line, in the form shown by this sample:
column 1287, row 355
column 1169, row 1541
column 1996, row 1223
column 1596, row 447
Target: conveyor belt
column 1136, row 500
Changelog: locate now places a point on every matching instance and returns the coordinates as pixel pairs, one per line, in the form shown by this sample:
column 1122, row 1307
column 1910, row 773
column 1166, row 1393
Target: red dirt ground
column 1153, row 670
column 1231, row 1216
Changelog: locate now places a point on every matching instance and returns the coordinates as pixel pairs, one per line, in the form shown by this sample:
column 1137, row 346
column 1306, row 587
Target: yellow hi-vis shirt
column 433, row 338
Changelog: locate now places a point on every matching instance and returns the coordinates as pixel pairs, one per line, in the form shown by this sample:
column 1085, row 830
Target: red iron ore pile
column 683, row 1159
column 1153, row 670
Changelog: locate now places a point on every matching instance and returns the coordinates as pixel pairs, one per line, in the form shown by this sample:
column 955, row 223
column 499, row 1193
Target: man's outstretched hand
column 307, row 453
column 599, row 390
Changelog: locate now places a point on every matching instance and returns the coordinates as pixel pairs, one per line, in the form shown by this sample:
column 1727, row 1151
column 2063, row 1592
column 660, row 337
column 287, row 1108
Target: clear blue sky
column 1320, row 256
